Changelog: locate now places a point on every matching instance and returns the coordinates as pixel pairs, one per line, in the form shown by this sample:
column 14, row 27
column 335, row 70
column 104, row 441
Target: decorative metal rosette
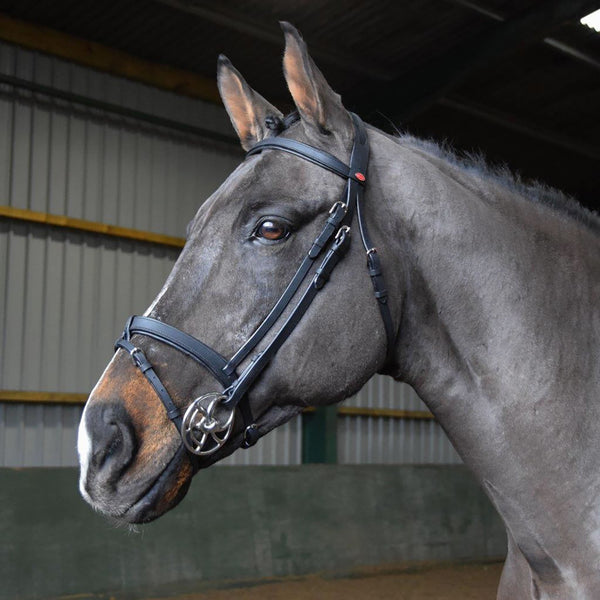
column 207, row 425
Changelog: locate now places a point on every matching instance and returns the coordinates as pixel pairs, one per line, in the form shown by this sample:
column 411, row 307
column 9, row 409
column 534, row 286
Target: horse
column 485, row 298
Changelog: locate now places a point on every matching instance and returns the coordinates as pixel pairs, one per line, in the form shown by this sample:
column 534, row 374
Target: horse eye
column 272, row 230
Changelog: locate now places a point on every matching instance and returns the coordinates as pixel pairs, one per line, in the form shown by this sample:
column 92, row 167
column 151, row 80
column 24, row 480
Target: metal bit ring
column 202, row 431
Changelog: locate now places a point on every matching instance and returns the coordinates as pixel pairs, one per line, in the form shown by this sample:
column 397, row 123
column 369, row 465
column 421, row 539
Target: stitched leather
column 338, row 224
column 181, row 341
column 314, row 155
column 139, row 358
column 260, row 362
column 323, row 238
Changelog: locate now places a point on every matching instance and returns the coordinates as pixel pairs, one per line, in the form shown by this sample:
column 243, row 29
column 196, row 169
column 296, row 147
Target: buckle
column 134, row 355
column 337, row 205
column 341, row 234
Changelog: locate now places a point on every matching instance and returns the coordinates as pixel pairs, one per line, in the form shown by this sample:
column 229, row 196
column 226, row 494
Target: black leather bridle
column 208, row 421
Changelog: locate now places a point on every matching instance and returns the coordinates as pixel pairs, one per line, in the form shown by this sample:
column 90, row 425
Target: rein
column 208, row 421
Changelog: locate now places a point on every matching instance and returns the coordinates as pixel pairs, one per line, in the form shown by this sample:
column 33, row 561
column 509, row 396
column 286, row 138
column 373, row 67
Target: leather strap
column 377, row 279
column 338, row 225
column 200, row 352
column 250, row 374
column 139, row 358
column 355, row 175
column 336, row 216
column 314, row 155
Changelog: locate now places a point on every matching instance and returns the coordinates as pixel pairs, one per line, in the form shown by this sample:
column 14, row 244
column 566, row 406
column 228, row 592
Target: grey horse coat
column 495, row 294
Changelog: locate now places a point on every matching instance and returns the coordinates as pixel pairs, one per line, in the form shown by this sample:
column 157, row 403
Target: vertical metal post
column 319, row 435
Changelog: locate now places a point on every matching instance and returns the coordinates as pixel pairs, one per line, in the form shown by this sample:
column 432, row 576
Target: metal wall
column 391, row 440
column 64, row 295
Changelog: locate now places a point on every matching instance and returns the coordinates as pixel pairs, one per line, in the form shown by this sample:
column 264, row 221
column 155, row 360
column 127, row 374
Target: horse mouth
column 164, row 493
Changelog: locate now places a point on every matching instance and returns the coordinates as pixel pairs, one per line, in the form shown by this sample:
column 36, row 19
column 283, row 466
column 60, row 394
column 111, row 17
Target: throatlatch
column 208, row 421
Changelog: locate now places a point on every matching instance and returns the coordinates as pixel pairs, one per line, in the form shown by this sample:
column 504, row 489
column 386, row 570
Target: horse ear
column 247, row 109
column 318, row 105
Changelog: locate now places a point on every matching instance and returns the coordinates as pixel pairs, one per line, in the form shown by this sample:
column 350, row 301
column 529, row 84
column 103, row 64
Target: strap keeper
column 373, row 263
column 320, row 279
column 229, row 369
column 126, row 331
column 251, row 436
column 144, row 365
column 320, row 242
column 324, row 271
column 173, row 413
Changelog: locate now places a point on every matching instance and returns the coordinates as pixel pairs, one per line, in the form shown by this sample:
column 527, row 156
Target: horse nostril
column 113, row 440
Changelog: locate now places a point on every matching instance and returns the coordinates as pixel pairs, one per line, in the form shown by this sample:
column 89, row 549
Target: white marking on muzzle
column 84, row 449
column 84, row 444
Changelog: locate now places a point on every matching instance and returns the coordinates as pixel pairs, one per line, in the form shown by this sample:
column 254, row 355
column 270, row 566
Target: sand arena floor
column 439, row 582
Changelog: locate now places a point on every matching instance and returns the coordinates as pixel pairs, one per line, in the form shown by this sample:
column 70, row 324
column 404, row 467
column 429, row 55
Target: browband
column 314, row 155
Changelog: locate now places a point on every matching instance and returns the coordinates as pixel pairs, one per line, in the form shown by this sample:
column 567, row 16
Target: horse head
column 243, row 247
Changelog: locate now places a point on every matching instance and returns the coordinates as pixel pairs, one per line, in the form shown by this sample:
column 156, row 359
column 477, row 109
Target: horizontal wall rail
column 384, row 413
column 42, row 397
column 22, row 214
column 342, row 411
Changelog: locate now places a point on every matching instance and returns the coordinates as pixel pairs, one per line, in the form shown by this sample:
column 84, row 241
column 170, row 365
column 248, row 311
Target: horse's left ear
column 319, row 106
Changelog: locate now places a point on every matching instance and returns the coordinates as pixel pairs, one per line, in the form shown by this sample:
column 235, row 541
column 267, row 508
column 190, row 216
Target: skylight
column 592, row 20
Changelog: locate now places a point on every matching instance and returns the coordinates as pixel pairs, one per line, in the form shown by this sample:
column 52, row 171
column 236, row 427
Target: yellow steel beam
column 42, row 397
column 106, row 59
column 379, row 413
column 23, row 214
column 384, row 413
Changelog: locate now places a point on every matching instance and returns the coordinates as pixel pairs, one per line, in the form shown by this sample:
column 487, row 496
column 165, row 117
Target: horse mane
column 474, row 163
column 534, row 191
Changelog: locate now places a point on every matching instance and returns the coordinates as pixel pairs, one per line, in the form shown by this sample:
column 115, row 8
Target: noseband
column 208, row 421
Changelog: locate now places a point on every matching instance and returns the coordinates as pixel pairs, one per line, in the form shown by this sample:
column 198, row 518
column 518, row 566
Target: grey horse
column 494, row 292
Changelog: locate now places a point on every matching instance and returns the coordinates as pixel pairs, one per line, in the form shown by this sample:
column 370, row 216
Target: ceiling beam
column 513, row 123
column 415, row 91
column 567, row 49
column 109, row 60
column 215, row 13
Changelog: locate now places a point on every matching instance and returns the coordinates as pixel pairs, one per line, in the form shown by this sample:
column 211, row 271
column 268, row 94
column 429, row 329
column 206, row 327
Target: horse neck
column 495, row 286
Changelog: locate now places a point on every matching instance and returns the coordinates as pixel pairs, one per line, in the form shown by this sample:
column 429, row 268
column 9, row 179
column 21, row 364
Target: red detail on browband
column 360, row 176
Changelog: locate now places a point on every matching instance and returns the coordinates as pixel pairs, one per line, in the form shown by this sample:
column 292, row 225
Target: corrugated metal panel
column 59, row 306
column 385, row 440
column 59, row 318
column 62, row 309
column 37, row 435
column 83, row 163
column 384, row 392
column 282, row 446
